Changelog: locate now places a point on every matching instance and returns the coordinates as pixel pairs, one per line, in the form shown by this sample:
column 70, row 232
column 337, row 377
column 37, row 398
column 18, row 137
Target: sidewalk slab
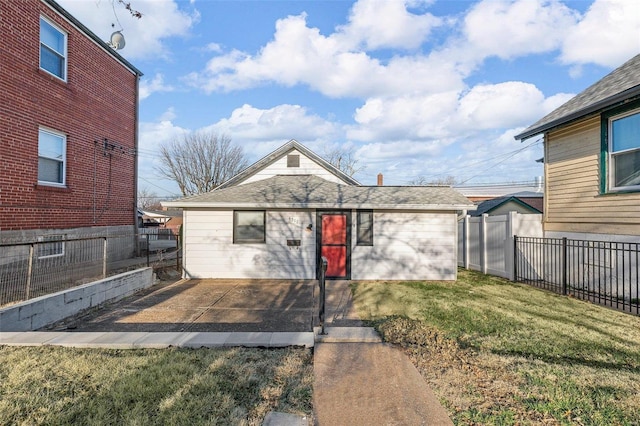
column 160, row 340
column 279, row 340
column 206, row 340
column 371, row 384
column 26, row 338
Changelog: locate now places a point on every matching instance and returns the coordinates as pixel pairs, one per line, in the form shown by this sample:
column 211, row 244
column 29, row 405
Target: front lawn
column 54, row 385
column 502, row 353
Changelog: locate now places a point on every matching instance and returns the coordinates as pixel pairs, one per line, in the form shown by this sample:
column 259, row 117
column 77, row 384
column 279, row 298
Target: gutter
column 613, row 101
column 82, row 28
column 429, row 207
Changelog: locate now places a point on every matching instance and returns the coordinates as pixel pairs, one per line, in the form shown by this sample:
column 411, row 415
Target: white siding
column 307, row 167
column 407, row 246
column 210, row 252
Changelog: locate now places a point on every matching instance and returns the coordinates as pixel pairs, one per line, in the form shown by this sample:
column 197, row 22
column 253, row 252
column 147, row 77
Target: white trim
column 63, row 136
column 66, row 50
column 611, row 154
column 366, row 206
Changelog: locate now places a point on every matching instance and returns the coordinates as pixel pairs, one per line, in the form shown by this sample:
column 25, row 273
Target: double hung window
column 51, row 157
column 624, row 151
column 53, row 49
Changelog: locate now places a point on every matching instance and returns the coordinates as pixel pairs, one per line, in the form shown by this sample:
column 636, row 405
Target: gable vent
column 293, row 160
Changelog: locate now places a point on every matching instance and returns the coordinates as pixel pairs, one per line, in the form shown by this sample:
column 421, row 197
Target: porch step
column 347, row 335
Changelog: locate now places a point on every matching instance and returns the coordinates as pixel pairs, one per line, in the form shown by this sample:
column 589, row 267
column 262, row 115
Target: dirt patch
column 475, row 388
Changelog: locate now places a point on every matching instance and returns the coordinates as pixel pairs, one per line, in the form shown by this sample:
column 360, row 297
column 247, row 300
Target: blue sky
column 416, row 88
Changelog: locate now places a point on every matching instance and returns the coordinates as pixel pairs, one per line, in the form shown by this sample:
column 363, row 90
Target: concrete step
column 347, row 335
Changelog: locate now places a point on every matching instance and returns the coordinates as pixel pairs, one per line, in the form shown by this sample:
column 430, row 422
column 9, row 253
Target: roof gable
column 275, row 163
column 621, row 84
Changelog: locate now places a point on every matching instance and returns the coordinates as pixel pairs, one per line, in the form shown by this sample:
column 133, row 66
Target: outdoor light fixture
column 310, row 227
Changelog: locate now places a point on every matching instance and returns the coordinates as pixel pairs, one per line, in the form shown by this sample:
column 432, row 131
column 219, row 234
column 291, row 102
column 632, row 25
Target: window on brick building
column 53, row 49
column 52, row 148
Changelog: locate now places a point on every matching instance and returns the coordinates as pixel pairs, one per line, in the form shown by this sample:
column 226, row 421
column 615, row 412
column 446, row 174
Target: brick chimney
column 380, row 179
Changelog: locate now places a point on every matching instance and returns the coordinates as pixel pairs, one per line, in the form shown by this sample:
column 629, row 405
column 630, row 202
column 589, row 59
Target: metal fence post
column 30, row 271
column 515, row 258
column 323, row 270
column 104, row 259
column 564, row 266
column 147, row 250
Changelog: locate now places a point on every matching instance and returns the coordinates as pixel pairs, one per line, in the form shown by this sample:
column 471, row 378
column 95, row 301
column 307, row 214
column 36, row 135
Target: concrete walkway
column 358, row 380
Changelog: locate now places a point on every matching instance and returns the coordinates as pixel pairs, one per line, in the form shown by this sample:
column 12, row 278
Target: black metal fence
column 37, row 268
column 602, row 272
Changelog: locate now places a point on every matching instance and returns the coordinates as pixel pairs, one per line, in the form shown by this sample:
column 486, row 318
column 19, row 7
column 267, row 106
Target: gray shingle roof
column 621, row 84
column 489, row 205
column 307, row 191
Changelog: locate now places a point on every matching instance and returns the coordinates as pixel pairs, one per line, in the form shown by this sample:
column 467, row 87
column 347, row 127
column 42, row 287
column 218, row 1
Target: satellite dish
column 117, row 41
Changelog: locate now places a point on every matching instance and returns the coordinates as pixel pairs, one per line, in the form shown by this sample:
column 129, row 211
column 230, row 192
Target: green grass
column 569, row 362
column 52, row 385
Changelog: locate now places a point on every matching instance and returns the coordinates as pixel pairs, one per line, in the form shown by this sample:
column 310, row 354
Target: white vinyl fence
column 485, row 243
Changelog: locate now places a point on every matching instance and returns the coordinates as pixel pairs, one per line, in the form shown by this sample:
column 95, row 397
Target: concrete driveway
column 208, row 306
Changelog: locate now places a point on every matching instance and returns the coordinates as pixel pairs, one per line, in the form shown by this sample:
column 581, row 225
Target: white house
column 280, row 216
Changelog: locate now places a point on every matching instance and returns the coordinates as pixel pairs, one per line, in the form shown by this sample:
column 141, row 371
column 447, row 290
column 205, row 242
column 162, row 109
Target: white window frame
column 50, row 246
column 611, row 154
column 63, row 161
column 64, row 53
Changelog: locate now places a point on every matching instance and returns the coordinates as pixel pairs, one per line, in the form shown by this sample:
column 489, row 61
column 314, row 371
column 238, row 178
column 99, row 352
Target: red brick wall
column 97, row 101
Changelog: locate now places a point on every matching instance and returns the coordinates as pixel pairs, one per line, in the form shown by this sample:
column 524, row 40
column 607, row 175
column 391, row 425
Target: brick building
column 68, row 120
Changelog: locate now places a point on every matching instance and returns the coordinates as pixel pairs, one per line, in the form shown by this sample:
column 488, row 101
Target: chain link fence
column 55, row 263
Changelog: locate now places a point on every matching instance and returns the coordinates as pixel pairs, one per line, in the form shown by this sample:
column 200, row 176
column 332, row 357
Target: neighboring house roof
column 500, row 190
column 489, row 205
column 308, row 191
column 55, row 6
column 279, row 153
column 621, row 84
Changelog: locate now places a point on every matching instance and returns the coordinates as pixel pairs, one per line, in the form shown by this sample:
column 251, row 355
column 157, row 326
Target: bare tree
column 200, row 161
column 343, row 159
column 443, row 181
column 148, row 200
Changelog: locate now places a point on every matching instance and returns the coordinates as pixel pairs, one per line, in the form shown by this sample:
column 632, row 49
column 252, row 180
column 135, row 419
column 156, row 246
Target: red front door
column 334, row 244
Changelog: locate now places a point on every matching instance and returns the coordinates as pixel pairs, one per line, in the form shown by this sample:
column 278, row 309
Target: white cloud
column 508, row 29
column 161, row 19
column 424, row 116
column 281, row 123
column 385, row 24
column 335, row 65
column 608, row 35
column 503, row 105
column 156, row 84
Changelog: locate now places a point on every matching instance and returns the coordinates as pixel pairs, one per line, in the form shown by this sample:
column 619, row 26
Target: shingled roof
column 308, row 191
column 620, row 85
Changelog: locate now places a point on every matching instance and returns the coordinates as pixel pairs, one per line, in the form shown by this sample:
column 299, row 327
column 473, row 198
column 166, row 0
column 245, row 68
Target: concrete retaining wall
column 42, row 311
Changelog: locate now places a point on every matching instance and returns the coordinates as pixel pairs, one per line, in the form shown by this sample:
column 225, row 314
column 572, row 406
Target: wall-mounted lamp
column 310, row 227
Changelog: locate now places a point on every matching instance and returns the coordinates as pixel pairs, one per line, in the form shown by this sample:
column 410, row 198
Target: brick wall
column 97, row 102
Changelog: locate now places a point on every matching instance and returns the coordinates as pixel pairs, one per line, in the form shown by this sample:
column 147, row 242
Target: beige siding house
column 280, row 216
column 592, row 160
